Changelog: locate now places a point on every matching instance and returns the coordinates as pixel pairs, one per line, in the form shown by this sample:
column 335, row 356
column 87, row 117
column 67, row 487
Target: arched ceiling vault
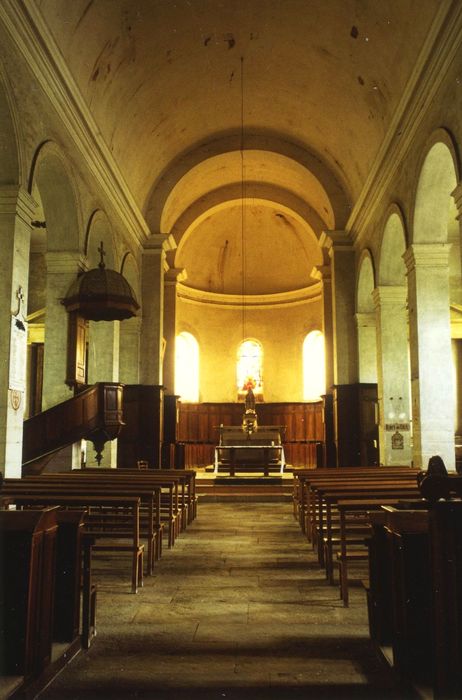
column 162, row 79
column 278, row 155
column 276, row 197
column 211, row 103
column 250, row 247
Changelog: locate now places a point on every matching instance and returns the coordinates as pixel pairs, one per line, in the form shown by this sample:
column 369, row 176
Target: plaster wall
column 37, row 283
column 219, row 331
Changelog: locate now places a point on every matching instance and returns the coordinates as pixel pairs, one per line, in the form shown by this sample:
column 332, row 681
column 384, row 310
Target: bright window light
column 187, row 367
column 249, row 367
column 314, row 366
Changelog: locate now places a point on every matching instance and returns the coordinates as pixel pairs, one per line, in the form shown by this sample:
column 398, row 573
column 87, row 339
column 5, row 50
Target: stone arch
column 366, row 283
column 391, row 268
column 365, row 320
column 227, row 196
column 437, row 178
column 393, row 378
column 52, row 182
column 99, row 229
column 231, row 141
column 130, row 270
column 52, row 175
column 432, row 275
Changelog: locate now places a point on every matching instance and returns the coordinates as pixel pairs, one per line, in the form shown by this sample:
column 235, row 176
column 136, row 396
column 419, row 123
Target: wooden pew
column 149, row 495
column 305, row 478
column 170, row 485
column 27, row 554
column 353, row 489
column 356, row 550
column 412, row 638
column 329, row 526
column 445, row 530
column 102, row 520
column 353, row 478
column 415, row 596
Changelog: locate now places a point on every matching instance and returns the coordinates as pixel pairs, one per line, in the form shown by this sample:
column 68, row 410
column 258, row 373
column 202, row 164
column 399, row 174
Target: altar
column 241, row 450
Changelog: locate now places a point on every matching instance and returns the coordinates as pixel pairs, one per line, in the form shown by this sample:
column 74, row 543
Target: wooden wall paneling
column 303, row 421
column 142, row 435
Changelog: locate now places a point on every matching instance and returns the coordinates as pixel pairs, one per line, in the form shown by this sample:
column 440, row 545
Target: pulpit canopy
column 101, row 294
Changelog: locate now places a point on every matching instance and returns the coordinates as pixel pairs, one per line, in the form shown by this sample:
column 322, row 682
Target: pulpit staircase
column 93, row 414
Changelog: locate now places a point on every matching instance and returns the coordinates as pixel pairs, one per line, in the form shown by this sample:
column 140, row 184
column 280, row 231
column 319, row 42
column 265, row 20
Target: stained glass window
column 249, row 367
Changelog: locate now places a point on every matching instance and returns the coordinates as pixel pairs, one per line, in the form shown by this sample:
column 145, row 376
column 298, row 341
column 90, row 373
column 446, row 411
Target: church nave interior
column 231, row 239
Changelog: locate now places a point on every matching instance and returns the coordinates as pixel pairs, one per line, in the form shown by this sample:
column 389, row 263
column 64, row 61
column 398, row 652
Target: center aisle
column 238, row 609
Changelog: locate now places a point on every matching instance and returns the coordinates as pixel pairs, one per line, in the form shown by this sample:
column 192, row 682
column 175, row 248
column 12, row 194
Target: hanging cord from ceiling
column 243, row 238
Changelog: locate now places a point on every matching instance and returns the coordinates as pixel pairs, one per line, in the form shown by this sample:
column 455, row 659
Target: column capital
column 64, row 261
column 175, row 275
column 420, row 255
column 336, row 240
column 158, row 242
column 15, row 200
column 322, row 273
column 390, row 295
column 457, row 196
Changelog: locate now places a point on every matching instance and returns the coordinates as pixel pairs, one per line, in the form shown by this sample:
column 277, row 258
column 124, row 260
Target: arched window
column 314, row 366
column 187, row 367
column 249, row 367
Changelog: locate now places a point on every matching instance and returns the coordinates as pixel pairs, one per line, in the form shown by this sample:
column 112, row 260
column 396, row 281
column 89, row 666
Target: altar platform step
column 242, row 487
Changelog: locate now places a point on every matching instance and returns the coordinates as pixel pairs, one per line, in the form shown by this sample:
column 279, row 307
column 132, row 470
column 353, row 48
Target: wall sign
column 390, row 427
column 397, row 441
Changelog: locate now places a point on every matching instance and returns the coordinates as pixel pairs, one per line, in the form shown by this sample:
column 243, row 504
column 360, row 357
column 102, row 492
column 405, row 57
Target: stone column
column 154, row 266
column 457, row 196
column 393, row 375
column 103, row 366
column 367, row 347
column 172, row 278
column 323, row 273
column 129, row 351
column 62, row 268
column 341, row 252
column 103, row 351
column 16, row 213
column 433, row 404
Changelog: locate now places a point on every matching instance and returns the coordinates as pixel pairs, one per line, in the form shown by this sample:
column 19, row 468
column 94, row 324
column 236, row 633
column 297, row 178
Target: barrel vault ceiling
column 207, row 103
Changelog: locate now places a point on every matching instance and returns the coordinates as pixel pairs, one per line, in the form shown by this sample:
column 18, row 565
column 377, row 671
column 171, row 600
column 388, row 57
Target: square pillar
column 62, row 269
column 17, row 210
column 172, row 278
column 433, row 400
column 367, row 347
column 340, row 249
column 393, row 375
column 154, row 265
column 129, row 351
